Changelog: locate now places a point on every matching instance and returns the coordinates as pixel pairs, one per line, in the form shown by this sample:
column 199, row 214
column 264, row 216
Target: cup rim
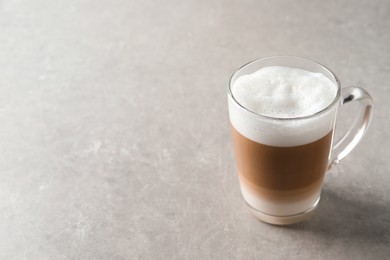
column 318, row 113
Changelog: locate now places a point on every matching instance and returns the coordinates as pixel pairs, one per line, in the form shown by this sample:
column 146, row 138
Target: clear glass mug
column 281, row 162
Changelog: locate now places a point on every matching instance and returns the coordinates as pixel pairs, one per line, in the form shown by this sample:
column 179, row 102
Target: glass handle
column 357, row 130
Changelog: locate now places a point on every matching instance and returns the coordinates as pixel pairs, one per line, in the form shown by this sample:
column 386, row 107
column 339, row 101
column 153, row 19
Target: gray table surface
column 115, row 140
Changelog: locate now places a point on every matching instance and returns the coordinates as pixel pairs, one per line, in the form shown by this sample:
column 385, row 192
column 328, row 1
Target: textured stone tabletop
column 115, row 140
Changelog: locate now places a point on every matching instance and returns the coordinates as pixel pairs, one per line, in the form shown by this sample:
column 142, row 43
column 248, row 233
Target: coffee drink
column 282, row 113
column 282, row 150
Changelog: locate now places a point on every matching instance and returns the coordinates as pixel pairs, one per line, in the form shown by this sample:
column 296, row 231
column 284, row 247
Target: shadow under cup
column 281, row 162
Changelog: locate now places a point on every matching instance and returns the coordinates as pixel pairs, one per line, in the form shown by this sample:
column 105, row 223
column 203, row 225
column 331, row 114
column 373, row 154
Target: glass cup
column 281, row 162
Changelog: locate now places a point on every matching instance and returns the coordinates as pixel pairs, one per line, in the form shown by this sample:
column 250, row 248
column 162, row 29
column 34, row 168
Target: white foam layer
column 282, row 92
column 277, row 208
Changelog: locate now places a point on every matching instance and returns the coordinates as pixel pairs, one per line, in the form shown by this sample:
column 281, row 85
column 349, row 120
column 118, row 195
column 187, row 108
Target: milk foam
column 282, row 92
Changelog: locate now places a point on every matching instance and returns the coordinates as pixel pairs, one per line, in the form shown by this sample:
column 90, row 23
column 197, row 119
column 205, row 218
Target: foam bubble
column 282, row 92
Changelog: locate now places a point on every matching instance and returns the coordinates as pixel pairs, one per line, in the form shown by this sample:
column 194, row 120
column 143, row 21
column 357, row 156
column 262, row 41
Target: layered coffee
column 282, row 150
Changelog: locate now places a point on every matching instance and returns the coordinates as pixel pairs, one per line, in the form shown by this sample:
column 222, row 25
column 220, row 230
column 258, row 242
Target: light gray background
column 115, row 141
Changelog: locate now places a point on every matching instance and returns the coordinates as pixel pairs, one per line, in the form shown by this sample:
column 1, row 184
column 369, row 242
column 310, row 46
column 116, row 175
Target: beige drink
column 281, row 157
column 282, row 112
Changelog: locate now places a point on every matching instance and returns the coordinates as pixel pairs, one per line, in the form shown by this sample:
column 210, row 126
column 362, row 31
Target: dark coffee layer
column 281, row 196
column 271, row 170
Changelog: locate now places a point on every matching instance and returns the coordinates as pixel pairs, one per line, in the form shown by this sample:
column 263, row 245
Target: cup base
column 282, row 220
